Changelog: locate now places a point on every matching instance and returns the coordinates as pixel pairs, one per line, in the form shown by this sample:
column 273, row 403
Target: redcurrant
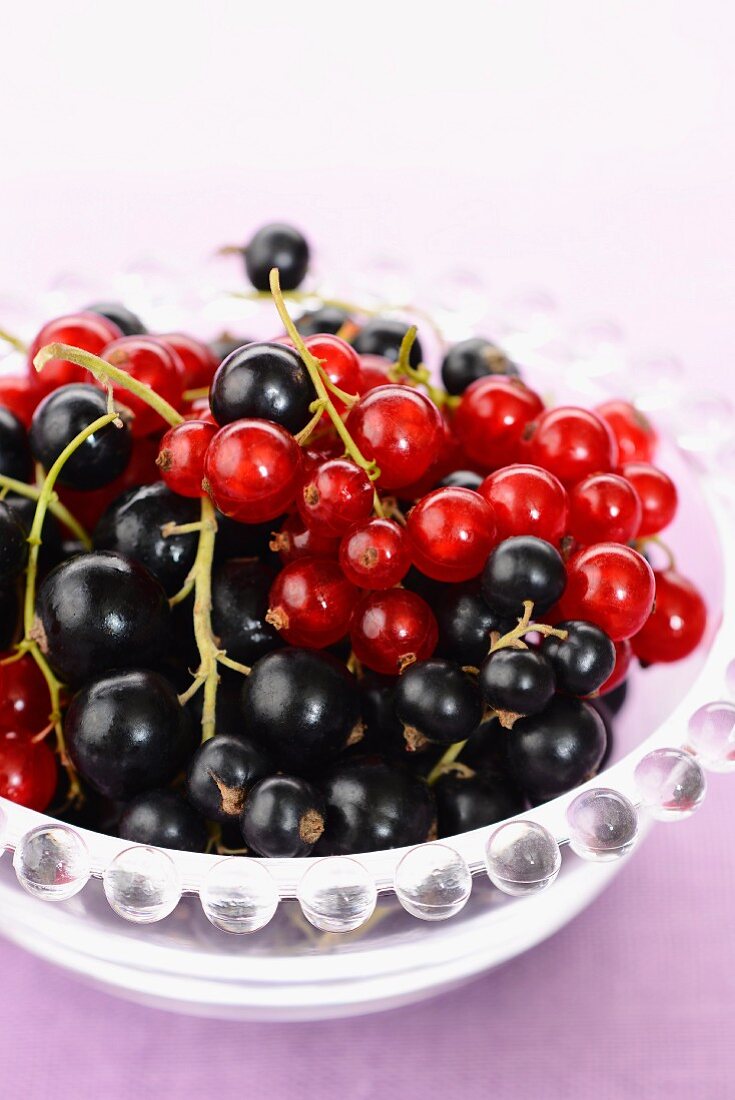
column 610, row 585
column 451, row 532
column 296, row 539
column 527, row 500
column 373, row 372
column 311, row 602
column 335, row 495
column 623, row 660
column 251, row 470
column 401, row 429
column 28, row 773
column 677, row 624
column 492, row 417
column 89, row 331
column 604, row 508
column 20, row 396
column 572, row 443
column 393, row 629
column 375, row 554
column 24, row 697
column 657, row 493
column 153, row 363
column 341, row 364
column 181, row 456
column 198, row 359
column 636, row 436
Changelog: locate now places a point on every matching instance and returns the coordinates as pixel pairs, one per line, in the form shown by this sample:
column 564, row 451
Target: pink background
column 585, row 148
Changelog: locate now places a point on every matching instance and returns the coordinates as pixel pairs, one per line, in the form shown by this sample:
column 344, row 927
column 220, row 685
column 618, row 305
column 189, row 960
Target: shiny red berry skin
column 373, row 372
column 28, row 773
column 341, row 364
column 572, row 443
column 401, row 429
column 610, row 585
column 311, row 602
column 623, row 660
column 451, row 532
column 449, row 458
column 296, row 539
column 88, row 331
column 24, row 697
column 375, row 554
column 677, row 624
column 154, row 364
column 19, row 395
column 527, row 500
column 636, row 436
column 604, row 508
column 492, row 417
column 393, row 629
column 658, row 495
column 335, row 495
column 252, row 470
column 181, row 456
column 197, row 358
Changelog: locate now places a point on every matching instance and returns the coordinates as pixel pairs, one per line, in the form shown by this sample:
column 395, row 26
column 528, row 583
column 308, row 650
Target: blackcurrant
column 9, row 614
column 51, row 548
column 518, row 681
column 552, row 752
column 437, row 702
column 461, row 479
column 267, row 381
column 383, row 336
column 239, row 607
column 133, row 523
column 221, row 773
column 244, row 540
column 98, row 612
column 472, row 802
column 226, row 343
column 60, row 417
column 486, row 746
column 615, row 699
column 13, row 545
column 15, row 452
column 128, row 322
column 165, row 820
column 325, row 319
column 584, row 660
column 523, row 568
column 466, row 623
column 125, row 733
column 383, row 728
column 283, row 817
column 280, row 246
column 471, row 359
column 302, row 706
column 373, row 805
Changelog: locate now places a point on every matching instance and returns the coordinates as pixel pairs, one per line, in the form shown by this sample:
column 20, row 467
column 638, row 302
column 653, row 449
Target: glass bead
column 239, row 895
column 142, row 885
column 433, row 882
column 52, row 862
column 603, row 824
column 337, row 894
column 712, row 736
column 671, row 784
column 522, row 858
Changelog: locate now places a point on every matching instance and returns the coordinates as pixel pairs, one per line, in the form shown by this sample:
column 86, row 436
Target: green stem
column 57, row 509
column 207, row 675
column 447, row 759
column 14, row 341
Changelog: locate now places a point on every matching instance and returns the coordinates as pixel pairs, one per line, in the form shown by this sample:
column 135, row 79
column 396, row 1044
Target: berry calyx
column 393, row 629
column 334, row 496
column 181, row 456
column 375, row 554
column 311, row 602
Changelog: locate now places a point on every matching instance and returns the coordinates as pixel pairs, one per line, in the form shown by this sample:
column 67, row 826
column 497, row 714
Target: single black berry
column 584, row 660
column 13, row 545
column 465, row 624
column 128, row 322
column 325, row 319
column 163, row 819
column 221, row 773
column 519, row 681
column 133, row 525
column 472, row 802
column 245, row 540
column 15, row 452
column 9, row 614
column 615, row 700
column 486, row 747
column 125, row 733
column 523, row 568
column 280, row 246
column 267, row 381
column 60, row 417
column 51, row 551
column 383, row 729
column 437, row 702
column 283, row 817
column 471, row 359
column 239, row 606
column 461, row 479
column 383, row 336
column 552, row 752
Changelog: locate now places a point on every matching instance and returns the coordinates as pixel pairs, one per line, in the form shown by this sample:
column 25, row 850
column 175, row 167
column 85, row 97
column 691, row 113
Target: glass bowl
column 309, row 939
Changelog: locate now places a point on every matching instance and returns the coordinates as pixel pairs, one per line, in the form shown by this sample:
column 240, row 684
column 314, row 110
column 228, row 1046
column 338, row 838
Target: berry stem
column 417, row 376
column 445, row 762
column 172, row 528
column 15, row 342
column 207, row 675
column 223, row 659
column 57, row 509
column 317, row 408
column 656, row 540
column 514, row 638
column 195, row 395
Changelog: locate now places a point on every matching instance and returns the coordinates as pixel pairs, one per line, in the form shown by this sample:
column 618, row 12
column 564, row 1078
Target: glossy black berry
column 13, row 545
column 486, row 747
column 383, row 729
column 615, row 700
column 461, row 479
column 101, row 458
column 9, row 614
column 281, row 246
column 326, row 319
column 165, row 820
column 225, row 344
column 51, row 548
column 221, row 773
column 132, row 525
column 382, row 336
column 552, row 752
column 472, row 802
column 239, row 606
column 283, row 817
column 266, row 381
column 125, row 733
column 302, row 706
column 465, row 624
column 373, row 805
column 584, row 660
column 99, row 612
column 15, row 452
column 245, row 540
column 128, row 322
column 471, row 359
column 437, row 702
column 523, row 568
column 519, row 681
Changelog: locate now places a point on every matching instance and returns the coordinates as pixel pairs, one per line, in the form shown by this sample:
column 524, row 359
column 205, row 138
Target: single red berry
column 24, row 699
column 200, row 410
column 451, row 532
column 335, row 495
column 28, row 772
column 197, row 358
column 527, row 500
column 181, row 456
column 375, row 554
column 677, row 624
column 623, row 659
column 449, row 458
column 401, row 429
column 492, row 417
column 311, row 602
column 604, row 508
column 393, row 629
column 341, row 364
column 636, row 435
column 252, row 470
column 657, row 493
column 373, row 372
column 154, row 364
column 296, row 539
column 572, row 443
column 610, row 585
column 19, row 395
column 88, row 331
